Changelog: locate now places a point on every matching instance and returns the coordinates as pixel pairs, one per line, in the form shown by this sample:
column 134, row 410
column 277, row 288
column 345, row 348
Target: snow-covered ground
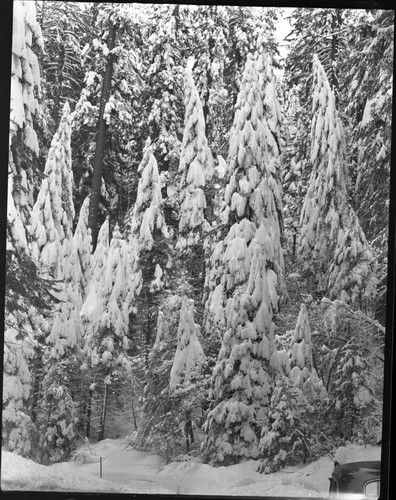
column 129, row 471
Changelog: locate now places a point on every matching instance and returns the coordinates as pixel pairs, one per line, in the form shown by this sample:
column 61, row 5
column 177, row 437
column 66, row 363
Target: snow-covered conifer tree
column 53, row 212
column 196, row 166
column 147, row 250
column 285, row 435
column 187, row 365
column 83, row 242
column 98, row 265
column 24, row 106
column 17, row 427
column 353, row 375
column 105, row 314
column 253, row 166
column 147, row 215
column 61, row 385
column 93, row 307
column 189, row 354
column 292, row 429
column 301, row 352
column 154, row 428
column 250, row 271
column 326, row 197
column 197, row 169
column 351, row 275
column 303, row 372
column 327, row 218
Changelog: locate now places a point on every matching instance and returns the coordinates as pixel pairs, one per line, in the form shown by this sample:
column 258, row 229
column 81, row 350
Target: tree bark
column 336, row 20
column 89, row 411
column 101, row 139
column 103, row 417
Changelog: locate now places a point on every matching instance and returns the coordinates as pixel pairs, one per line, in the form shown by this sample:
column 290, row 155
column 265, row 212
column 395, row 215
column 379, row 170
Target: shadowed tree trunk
column 103, row 416
column 101, row 139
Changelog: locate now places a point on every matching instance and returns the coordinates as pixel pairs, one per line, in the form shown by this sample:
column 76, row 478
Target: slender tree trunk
column 209, row 82
column 188, row 431
column 89, row 411
column 134, row 416
column 336, row 20
column 58, row 90
column 103, row 417
column 101, row 140
column 176, row 15
column 35, row 396
column 149, row 325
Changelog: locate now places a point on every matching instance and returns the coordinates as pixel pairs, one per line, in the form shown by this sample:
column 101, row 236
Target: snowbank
column 18, row 473
column 129, row 471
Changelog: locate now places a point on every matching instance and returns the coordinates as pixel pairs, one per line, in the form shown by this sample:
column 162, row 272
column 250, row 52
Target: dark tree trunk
column 149, row 324
column 188, row 431
column 336, row 20
column 35, row 397
column 209, row 82
column 176, row 15
column 89, row 411
column 58, row 91
column 101, row 140
column 103, row 416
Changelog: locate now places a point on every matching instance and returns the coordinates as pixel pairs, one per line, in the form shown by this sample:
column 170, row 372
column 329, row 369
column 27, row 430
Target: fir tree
column 326, row 216
column 83, row 242
column 27, row 42
column 160, row 428
column 352, row 370
column 285, row 434
column 91, row 309
column 369, row 83
column 66, row 28
column 17, row 427
column 61, row 385
column 301, row 353
column 106, row 316
column 186, row 370
column 53, row 212
column 117, row 109
column 148, row 253
column 196, row 167
column 252, row 273
column 189, row 354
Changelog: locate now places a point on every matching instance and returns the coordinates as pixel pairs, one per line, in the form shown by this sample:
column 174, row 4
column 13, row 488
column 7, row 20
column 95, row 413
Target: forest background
column 197, row 230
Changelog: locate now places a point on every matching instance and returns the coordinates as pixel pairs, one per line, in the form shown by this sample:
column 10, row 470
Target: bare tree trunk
column 336, row 21
column 101, row 139
column 103, row 417
column 89, row 411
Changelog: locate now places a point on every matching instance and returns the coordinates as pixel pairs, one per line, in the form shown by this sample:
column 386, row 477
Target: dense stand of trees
column 197, row 229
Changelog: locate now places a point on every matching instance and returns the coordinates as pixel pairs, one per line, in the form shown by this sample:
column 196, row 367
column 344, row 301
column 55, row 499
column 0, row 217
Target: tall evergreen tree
column 251, row 272
column 62, row 357
column 189, row 353
column 106, row 316
column 66, row 27
column 53, row 212
column 326, row 214
column 27, row 43
column 148, row 253
column 82, row 240
column 112, row 103
column 196, row 167
column 369, row 110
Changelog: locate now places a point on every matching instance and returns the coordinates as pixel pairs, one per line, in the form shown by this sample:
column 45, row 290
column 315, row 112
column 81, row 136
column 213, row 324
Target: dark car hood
column 352, row 476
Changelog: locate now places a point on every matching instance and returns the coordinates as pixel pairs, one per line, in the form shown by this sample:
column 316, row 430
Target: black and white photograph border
column 198, row 238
